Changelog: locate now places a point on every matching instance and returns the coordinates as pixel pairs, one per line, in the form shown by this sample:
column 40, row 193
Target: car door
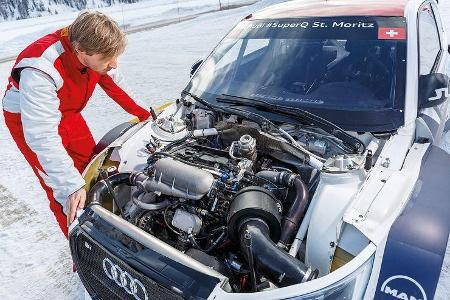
column 433, row 58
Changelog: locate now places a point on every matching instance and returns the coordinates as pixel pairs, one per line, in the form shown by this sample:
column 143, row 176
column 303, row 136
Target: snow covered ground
column 34, row 256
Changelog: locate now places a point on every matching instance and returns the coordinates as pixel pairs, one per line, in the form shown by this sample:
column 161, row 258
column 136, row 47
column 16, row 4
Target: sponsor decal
column 287, row 99
column 312, row 24
column 323, row 28
column 440, row 93
column 390, row 33
column 403, row 287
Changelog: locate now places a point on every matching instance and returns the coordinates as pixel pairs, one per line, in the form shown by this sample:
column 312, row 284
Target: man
column 49, row 85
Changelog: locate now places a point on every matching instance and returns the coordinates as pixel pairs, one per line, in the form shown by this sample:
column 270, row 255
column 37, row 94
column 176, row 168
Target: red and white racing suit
column 47, row 90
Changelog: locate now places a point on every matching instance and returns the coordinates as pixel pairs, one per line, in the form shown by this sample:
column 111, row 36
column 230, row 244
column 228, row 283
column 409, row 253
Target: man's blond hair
column 96, row 33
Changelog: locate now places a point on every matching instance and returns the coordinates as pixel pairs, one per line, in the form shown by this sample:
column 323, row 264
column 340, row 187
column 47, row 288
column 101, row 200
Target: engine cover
column 174, row 178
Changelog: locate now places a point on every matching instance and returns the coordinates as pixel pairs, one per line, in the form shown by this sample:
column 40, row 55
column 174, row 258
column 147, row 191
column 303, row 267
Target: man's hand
column 75, row 201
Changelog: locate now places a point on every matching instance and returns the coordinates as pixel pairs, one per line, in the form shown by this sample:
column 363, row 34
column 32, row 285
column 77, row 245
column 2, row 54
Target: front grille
column 108, row 277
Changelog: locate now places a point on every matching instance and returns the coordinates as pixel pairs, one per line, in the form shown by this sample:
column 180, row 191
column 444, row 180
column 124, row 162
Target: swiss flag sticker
column 390, row 33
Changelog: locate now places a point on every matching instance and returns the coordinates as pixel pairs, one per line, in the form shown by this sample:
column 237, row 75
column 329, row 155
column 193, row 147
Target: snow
column 18, row 34
column 34, row 254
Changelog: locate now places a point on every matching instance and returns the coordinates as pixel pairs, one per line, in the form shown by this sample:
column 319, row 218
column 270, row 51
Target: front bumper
column 116, row 260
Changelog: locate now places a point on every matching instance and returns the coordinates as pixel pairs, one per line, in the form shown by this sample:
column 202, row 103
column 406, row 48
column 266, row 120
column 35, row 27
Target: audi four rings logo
column 130, row 284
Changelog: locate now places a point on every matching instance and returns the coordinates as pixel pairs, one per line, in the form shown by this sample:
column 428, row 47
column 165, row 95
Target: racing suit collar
column 64, row 32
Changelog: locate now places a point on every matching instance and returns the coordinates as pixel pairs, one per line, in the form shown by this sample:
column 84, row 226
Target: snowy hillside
column 24, row 9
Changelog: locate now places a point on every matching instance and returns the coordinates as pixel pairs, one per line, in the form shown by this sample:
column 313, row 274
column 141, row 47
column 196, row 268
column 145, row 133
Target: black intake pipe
column 105, row 186
column 269, row 260
column 301, row 199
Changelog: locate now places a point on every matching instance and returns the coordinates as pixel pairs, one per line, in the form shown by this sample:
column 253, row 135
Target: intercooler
column 112, row 265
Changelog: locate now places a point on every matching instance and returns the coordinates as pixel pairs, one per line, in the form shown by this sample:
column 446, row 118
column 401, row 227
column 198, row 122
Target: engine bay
column 230, row 192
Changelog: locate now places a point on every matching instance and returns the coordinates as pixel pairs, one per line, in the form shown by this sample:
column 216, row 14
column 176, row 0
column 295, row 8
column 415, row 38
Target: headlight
column 348, row 282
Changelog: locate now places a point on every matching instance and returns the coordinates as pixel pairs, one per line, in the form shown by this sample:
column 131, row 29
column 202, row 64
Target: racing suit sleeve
column 40, row 115
column 113, row 84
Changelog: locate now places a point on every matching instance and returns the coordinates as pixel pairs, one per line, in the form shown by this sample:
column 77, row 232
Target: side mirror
column 433, row 89
column 195, row 66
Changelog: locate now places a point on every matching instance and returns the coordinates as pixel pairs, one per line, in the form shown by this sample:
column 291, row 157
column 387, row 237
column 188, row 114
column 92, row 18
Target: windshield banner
column 382, row 28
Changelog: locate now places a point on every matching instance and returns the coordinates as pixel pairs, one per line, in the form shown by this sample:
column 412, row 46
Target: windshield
column 321, row 65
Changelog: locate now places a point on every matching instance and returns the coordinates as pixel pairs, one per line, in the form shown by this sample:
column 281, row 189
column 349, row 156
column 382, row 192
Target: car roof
column 330, row 8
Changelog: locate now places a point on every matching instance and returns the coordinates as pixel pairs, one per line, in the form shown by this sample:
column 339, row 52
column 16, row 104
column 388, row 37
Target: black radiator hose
column 276, row 264
column 297, row 210
column 105, row 186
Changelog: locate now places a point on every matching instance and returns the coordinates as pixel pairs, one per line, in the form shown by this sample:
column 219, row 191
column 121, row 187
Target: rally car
column 301, row 161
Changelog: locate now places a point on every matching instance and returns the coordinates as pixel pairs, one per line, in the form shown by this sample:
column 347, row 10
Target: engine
column 229, row 195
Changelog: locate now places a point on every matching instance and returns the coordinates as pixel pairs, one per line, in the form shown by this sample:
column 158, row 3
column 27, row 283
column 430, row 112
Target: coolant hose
column 268, row 259
column 100, row 189
column 297, row 210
